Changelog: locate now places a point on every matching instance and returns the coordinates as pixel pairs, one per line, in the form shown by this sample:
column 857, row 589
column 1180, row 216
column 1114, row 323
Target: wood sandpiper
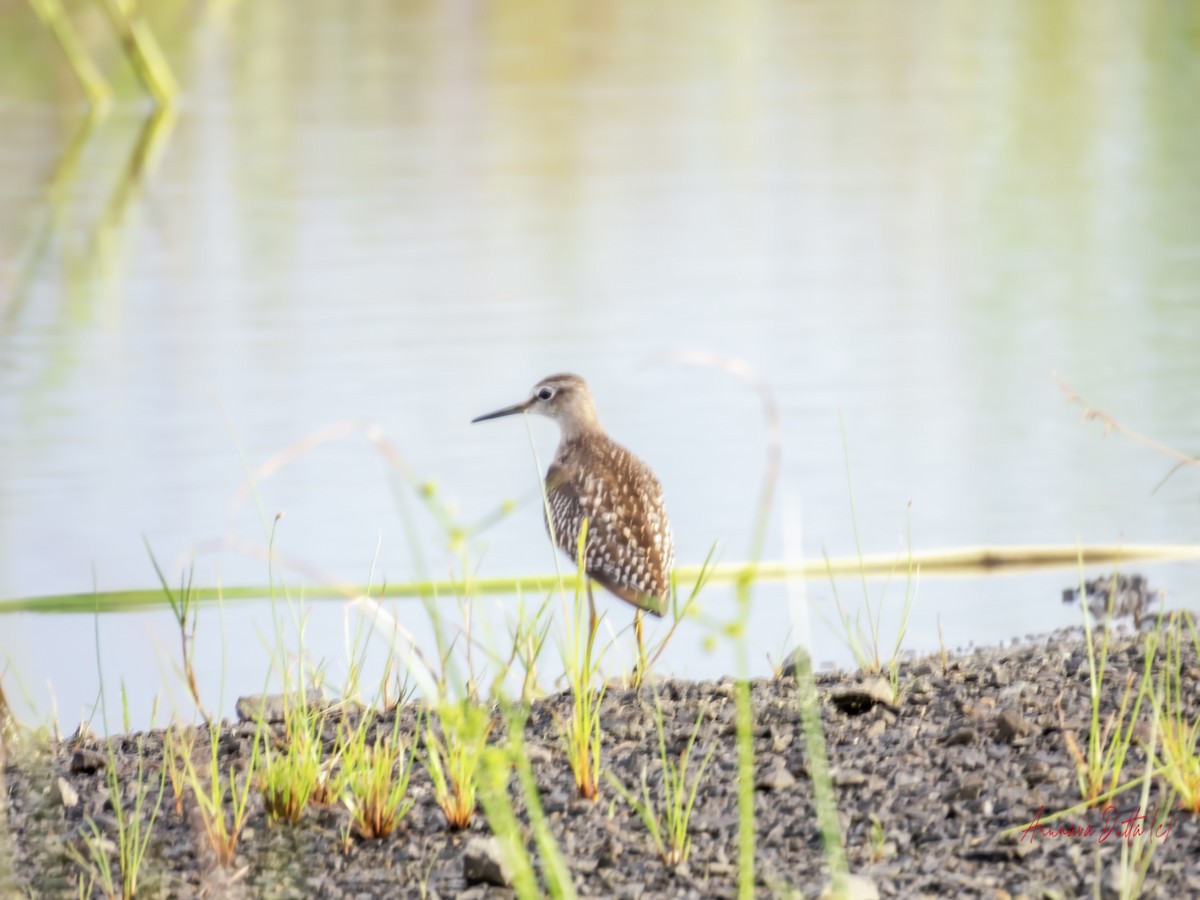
column 629, row 548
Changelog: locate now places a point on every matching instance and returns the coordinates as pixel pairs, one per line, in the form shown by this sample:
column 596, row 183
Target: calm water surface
column 406, row 216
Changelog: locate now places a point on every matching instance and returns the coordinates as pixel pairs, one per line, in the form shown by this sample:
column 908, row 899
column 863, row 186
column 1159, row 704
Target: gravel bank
column 924, row 790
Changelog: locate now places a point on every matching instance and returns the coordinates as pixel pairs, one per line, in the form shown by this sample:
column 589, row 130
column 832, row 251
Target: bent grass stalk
column 452, row 757
column 668, row 826
column 183, row 608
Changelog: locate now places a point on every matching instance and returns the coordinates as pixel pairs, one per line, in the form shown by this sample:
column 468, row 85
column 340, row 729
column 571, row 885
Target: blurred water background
column 406, row 214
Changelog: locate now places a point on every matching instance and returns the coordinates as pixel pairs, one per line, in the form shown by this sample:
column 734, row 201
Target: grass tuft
column 221, row 798
column 1177, row 722
column 668, row 825
column 134, row 827
column 373, row 780
column 581, row 733
column 1098, row 767
column 453, row 751
column 288, row 778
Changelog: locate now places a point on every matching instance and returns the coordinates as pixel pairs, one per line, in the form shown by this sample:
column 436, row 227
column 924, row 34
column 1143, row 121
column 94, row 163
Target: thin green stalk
column 498, row 763
column 356, row 654
column 910, row 593
column 745, row 768
column 851, row 631
column 857, row 535
column 502, row 820
column 529, row 634
column 558, row 877
column 824, row 798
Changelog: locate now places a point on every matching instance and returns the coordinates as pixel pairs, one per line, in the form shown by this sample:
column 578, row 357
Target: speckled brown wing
column 630, row 550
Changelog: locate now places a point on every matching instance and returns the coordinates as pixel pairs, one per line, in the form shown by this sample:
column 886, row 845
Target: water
column 408, row 215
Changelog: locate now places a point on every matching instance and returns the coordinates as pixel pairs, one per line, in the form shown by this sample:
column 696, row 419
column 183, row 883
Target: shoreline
column 926, row 788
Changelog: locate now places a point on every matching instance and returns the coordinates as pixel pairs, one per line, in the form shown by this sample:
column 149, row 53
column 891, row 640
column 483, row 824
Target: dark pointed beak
column 507, row 411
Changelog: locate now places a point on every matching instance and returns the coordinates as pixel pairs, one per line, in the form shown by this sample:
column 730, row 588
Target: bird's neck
column 576, row 436
column 580, row 427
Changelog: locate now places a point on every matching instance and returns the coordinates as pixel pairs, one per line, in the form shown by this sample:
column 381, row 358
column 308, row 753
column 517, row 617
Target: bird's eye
column 545, row 394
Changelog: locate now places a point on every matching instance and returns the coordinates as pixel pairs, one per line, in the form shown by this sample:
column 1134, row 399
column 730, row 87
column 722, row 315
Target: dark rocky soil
column 924, row 789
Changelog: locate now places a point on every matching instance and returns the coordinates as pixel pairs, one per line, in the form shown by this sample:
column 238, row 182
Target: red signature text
column 1113, row 826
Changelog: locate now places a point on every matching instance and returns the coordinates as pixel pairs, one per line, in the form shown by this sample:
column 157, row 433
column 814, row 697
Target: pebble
column 962, row 736
column 484, row 862
column 856, row 887
column 862, row 697
column 85, row 761
column 970, row 788
column 776, row 778
column 67, row 795
column 1035, row 771
column 848, row 778
column 274, row 707
column 1010, row 725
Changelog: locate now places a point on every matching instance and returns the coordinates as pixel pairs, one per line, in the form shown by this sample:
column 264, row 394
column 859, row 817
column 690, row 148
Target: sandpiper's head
column 564, row 398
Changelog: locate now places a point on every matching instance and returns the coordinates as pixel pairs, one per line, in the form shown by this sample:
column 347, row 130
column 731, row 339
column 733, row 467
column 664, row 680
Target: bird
column 629, row 549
